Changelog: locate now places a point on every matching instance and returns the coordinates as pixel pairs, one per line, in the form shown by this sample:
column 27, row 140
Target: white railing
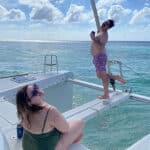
column 137, row 97
column 50, row 60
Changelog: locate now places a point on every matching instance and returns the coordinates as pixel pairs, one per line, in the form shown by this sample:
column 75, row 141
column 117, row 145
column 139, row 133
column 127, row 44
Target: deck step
column 85, row 112
column 91, row 109
column 143, row 144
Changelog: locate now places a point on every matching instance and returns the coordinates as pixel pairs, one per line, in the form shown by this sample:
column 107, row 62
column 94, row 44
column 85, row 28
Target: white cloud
column 147, row 4
column 43, row 10
column 34, row 3
column 15, row 14
column 108, row 3
column 36, row 26
column 118, row 13
column 60, row 1
column 141, row 17
column 11, row 15
column 47, row 13
column 9, row 3
column 130, row 34
column 134, row 12
column 112, row 9
column 102, row 13
column 3, row 12
column 76, row 14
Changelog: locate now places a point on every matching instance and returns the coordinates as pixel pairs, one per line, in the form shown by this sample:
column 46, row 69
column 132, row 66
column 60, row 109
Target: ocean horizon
column 45, row 41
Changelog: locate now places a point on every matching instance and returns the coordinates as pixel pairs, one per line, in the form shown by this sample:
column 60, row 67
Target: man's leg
column 105, row 80
column 118, row 78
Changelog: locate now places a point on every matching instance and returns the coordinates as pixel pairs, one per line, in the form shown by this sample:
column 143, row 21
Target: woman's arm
column 58, row 120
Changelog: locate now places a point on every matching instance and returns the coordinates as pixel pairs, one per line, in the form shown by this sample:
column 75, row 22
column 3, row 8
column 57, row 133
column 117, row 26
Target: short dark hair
column 111, row 23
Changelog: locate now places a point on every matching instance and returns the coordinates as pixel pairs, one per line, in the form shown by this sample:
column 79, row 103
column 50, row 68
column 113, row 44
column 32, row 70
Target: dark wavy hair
column 23, row 106
column 111, row 23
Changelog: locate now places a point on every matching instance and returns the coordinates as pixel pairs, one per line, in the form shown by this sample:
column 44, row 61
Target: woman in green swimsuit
column 45, row 128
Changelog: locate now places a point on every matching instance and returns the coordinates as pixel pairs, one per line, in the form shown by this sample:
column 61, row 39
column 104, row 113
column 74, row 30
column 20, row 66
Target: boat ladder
column 112, row 62
column 51, row 61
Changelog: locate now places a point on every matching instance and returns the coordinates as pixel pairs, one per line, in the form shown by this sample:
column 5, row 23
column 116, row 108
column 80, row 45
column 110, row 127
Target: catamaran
column 61, row 82
column 54, row 82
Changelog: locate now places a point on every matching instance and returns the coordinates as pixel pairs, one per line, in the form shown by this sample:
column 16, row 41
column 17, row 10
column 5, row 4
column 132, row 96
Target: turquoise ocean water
column 115, row 129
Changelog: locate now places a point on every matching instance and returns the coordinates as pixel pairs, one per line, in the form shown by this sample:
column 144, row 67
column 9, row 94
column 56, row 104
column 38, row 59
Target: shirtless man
column 98, row 52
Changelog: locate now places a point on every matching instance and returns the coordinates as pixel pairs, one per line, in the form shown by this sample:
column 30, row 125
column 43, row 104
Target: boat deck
column 9, row 85
column 8, row 127
column 87, row 111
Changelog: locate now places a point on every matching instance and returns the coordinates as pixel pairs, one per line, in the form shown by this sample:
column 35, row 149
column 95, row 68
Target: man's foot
column 120, row 79
column 103, row 97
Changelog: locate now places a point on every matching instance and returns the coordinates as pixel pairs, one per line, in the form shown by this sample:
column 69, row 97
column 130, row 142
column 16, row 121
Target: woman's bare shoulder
column 53, row 111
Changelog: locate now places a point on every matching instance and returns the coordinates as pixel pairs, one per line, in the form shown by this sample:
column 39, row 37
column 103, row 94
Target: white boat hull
column 143, row 144
column 55, row 86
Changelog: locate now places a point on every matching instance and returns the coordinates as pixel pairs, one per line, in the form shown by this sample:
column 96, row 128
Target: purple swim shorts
column 100, row 61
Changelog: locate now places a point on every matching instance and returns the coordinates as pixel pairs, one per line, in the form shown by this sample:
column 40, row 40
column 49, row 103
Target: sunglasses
column 35, row 91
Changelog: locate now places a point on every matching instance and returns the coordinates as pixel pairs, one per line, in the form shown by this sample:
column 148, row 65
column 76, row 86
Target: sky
column 54, row 20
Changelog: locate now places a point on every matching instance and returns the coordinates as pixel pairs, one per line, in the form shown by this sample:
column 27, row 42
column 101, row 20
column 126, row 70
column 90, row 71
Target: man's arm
column 95, row 38
column 92, row 35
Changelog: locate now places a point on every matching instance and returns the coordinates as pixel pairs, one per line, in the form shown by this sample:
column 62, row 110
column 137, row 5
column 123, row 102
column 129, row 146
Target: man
column 98, row 52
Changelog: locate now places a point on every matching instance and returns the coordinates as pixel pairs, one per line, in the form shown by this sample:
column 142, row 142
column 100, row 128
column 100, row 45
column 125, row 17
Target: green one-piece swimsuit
column 44, row 141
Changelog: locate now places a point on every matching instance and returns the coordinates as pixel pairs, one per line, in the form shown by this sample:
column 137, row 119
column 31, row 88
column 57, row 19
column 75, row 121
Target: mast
column 95, row 14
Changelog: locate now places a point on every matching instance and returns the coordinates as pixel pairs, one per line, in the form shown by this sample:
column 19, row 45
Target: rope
column 131, row 69
column 122, row 64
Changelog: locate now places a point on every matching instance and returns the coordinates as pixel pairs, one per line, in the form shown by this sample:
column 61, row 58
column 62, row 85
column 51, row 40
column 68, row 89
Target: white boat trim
column 142, row 144
column 86, row 111
column 137, row 97
column 9, row 84
column 141, row 98
column 91, row 109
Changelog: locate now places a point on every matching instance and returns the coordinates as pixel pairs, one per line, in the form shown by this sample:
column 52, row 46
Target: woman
column 45, row 128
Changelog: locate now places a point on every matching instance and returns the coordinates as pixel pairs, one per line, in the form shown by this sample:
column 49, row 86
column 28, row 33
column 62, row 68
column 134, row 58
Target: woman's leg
column 73, row 135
